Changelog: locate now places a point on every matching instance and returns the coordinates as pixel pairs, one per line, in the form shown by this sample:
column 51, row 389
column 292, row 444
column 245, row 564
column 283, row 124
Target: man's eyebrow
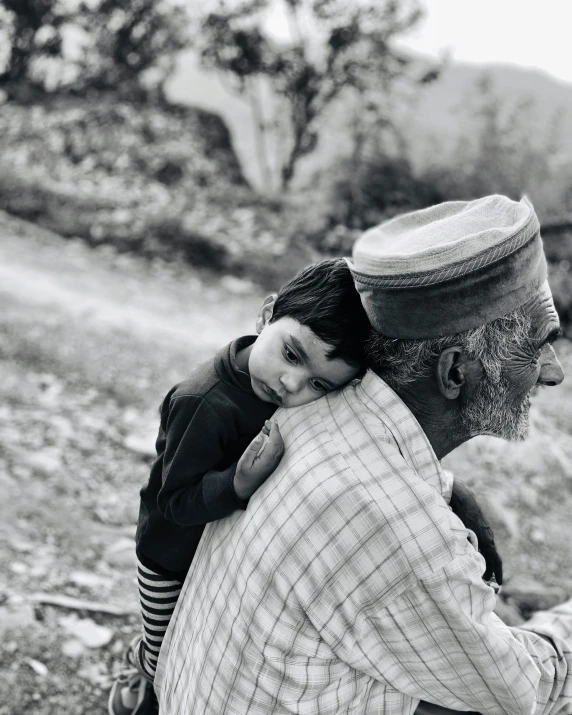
column 299, row 347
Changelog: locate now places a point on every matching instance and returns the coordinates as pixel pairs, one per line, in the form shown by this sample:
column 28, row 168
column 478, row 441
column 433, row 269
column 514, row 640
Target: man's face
column 501, row 407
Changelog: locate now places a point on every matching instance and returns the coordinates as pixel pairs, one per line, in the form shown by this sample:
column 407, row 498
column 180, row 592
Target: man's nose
column 551, row 372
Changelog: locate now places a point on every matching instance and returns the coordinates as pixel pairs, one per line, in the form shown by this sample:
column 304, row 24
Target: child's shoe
column 132, row 694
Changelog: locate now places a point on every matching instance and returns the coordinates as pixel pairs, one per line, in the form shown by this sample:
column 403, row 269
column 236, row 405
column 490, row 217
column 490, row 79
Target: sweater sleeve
column 193, row 491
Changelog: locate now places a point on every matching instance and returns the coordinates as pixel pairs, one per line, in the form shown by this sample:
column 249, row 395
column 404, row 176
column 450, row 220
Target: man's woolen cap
column 449, row 268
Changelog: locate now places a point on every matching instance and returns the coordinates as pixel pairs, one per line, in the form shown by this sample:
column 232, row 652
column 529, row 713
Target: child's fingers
column 275, row 439
column 254, row 447
column 272, row 450
column 262, row 447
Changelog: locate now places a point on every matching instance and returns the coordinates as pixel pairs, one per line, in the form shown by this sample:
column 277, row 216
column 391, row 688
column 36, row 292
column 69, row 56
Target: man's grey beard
column 489, row 412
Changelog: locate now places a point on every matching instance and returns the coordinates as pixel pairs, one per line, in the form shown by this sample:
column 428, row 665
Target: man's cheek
column 521, row 379
column 521, row 367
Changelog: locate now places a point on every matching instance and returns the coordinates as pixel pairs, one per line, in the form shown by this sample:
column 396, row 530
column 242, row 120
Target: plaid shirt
column 349, row 586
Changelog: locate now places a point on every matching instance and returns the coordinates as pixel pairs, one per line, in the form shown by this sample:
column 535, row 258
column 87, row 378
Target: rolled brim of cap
column 435, row 303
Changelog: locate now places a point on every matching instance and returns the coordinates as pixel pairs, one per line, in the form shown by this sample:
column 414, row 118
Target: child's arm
column 196, row 437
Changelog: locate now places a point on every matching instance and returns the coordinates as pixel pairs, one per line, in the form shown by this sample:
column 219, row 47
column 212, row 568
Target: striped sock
column 158, row 598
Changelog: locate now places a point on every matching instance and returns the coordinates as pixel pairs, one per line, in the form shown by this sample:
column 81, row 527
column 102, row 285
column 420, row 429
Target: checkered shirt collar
column 406, row 431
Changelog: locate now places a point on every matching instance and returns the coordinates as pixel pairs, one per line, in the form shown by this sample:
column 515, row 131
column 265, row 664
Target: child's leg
column 158, row 598
column 132, row 691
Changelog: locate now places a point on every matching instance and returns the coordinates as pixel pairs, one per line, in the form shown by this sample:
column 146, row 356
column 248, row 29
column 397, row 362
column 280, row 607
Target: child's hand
column 261, row 458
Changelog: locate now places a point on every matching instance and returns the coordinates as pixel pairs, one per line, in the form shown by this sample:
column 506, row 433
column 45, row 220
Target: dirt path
column 40, row 269
column 89, row 343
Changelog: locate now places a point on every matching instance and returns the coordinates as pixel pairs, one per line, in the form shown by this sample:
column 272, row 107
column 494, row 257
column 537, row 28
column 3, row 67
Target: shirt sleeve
column 436, row 638
column 193, row 491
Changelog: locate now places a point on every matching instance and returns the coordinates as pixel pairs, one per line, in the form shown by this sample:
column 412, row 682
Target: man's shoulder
column 336, row 410
column 342, row 444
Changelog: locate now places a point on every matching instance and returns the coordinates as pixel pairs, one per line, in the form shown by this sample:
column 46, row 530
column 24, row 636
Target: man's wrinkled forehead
column 545, row 323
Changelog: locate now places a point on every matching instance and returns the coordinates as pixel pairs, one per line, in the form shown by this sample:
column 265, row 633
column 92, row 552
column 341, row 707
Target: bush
column 170, row 238
column 380, row 187
column 558, row 249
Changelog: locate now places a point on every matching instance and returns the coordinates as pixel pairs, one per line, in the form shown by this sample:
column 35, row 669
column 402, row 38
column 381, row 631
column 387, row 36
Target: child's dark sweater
column 207, row 422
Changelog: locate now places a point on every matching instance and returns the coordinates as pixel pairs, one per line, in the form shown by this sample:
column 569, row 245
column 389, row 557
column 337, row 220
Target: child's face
column 288, row 365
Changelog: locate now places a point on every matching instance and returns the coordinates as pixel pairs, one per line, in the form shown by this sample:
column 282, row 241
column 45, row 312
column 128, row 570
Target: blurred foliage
column 32, row 30
column 127, row 46
column 377, row 188
column 334, row 48
column 162, row 183
column 130, row 45
column 504, row 148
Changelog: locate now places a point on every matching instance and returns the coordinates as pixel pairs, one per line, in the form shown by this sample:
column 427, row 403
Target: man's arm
column 450, row 649
column 432, row 634
column 465, row 505
column 429, row 709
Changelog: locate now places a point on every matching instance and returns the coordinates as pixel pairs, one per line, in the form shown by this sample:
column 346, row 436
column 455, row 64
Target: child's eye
column 318, row 386
column 290, row 355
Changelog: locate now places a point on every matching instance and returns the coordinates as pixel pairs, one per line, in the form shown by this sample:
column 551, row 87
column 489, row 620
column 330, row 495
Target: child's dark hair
column 323, row 298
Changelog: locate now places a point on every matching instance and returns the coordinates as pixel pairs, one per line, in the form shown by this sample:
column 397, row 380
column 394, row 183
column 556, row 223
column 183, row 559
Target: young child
column 311, row 341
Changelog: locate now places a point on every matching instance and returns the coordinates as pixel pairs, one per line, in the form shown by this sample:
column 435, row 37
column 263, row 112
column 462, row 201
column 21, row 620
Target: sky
column 531, row 33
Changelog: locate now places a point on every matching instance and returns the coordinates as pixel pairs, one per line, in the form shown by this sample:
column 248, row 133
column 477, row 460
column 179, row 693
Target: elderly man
column 349, row 585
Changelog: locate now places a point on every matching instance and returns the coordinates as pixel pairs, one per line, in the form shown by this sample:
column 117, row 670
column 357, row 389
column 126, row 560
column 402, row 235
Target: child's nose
column 291, row 382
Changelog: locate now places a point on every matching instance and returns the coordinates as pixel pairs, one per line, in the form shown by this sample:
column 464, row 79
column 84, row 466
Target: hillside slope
column 434, row 118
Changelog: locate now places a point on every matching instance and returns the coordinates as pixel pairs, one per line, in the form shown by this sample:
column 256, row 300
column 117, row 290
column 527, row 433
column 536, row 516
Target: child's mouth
column 274, row 395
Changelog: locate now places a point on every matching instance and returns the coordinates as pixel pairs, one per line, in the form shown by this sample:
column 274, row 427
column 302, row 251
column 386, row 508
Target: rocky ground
column 89, row 343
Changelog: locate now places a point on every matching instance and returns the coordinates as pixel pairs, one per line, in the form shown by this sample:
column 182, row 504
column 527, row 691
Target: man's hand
column 464, row 504
column 428, row 709
column 261, row 458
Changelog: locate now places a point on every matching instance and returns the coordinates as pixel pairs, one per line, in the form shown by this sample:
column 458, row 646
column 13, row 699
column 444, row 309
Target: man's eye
column 290, row 355
column 318, row 386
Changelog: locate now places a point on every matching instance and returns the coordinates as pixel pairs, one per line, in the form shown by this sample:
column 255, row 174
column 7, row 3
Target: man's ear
column 456, row 371
column 265, row 312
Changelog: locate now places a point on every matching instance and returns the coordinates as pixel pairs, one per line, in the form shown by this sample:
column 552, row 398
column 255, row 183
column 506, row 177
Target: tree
column 124, row 46
column 131, row 45
column 333, row 47
column 31, row 31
